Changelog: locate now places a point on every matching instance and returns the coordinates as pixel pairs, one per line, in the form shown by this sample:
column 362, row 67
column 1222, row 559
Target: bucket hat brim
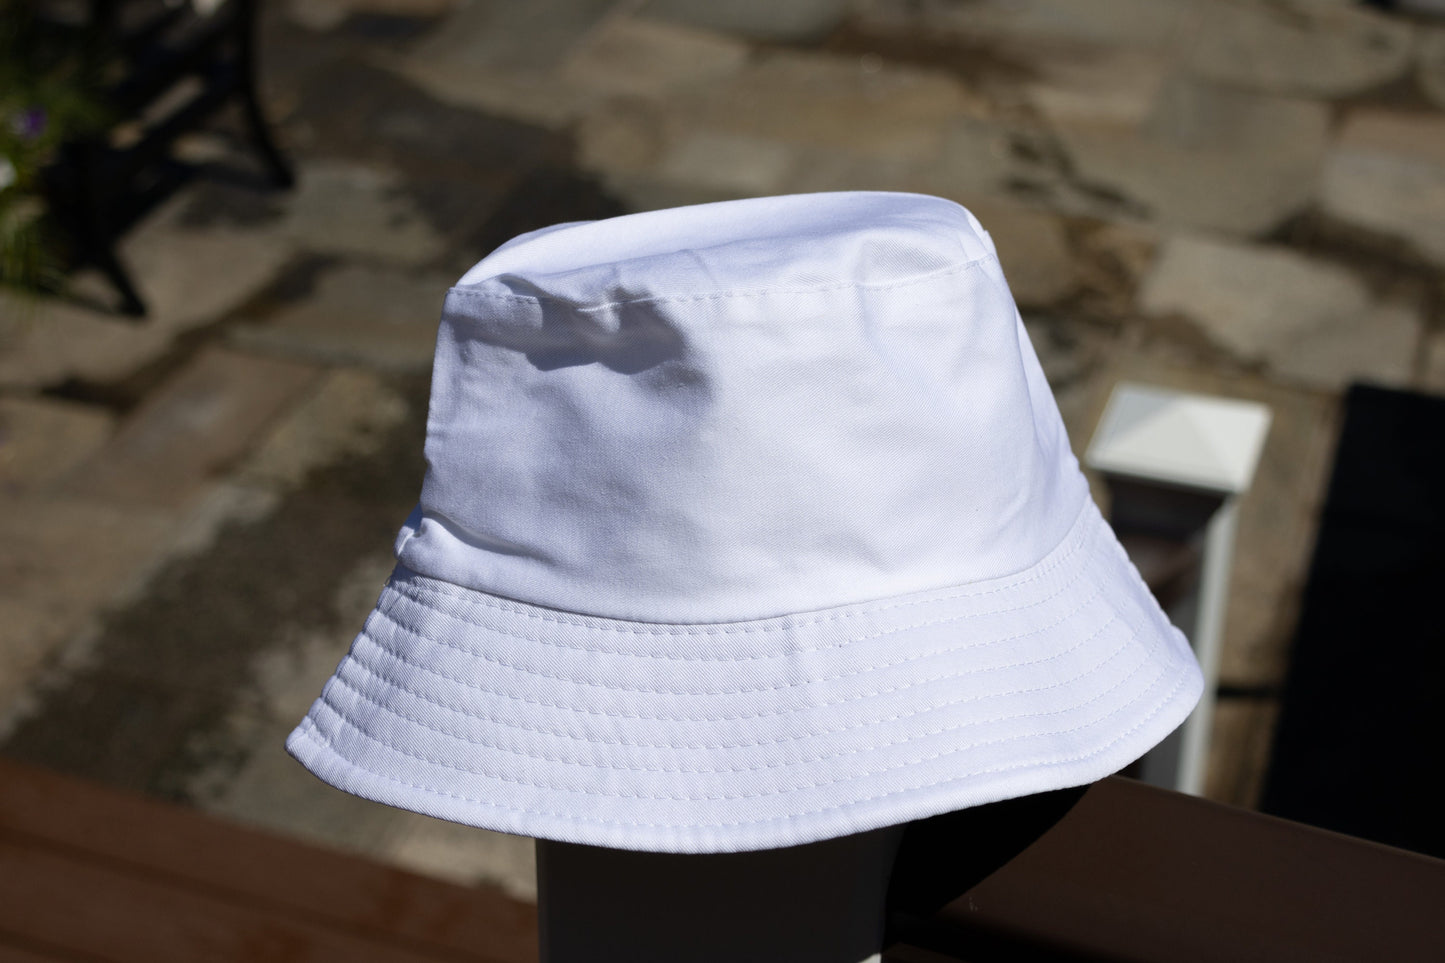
column 759, row 734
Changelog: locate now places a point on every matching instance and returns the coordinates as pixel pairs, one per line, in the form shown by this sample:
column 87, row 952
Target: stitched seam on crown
column 534, row 673
column 472, row 292
column 394, row 684
column 388, row 612
column 308, row 730
column 1084, row 535
column 727, row 770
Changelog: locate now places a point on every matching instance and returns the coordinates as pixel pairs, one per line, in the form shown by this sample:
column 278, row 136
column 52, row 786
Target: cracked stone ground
column 198, row 509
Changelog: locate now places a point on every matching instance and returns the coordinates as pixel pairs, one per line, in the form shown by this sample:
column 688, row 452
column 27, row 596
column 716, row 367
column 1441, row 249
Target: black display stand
column 1357, row 750
column 100, row 187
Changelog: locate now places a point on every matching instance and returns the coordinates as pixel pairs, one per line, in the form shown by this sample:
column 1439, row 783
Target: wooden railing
column 1132, row 872
column 1121, row 871
column 88, row 873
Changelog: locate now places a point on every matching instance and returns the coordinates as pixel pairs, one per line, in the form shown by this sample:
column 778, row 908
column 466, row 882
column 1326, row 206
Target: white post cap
column 1198, row 441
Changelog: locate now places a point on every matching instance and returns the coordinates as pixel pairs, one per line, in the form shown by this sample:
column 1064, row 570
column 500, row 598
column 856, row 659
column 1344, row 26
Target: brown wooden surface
column 88, row 873
column 1138, row 873
column 1130, row 873
column 15, row 954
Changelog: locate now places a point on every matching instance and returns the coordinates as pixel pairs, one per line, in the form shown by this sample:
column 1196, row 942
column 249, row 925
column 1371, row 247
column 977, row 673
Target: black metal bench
column 101, row 186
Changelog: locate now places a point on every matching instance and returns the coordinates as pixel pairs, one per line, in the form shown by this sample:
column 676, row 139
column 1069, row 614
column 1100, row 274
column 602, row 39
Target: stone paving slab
column 347, row 415
column 195, row 654
column 652, row 59
column 498, row 34
column 363, row 110
column 838, row 102
column 544, row 100
column 820, row 169
column 135, row 726
column 1116, row 256
column 192, row 429
column 797, row 21
column 1386, row 173
column 357, row 210
column 68, row 563
column 642, row 192
column 1430, row 64
column 625, row 137
column 1309, row 322
column 1112, row 86
column 41, row 440
column 383, row 318
column 738, row 165
column 1209, row 157
column 977, row 159
column 1157, row 24
column 190, row 277
column 1328, row 50
column 32, row 633
column 789, row 121
column 69, row 554
column 63, row 561
column 500, row 57
column 326, row 15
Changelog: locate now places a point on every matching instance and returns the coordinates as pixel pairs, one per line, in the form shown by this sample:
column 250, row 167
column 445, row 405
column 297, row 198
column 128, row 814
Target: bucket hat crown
column 745, row 525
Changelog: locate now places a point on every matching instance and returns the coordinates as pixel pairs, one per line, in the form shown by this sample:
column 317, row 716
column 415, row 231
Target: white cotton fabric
column 745, row 525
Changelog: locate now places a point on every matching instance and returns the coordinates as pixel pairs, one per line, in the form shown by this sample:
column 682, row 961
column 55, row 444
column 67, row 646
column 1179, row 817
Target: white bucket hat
column 745, row 525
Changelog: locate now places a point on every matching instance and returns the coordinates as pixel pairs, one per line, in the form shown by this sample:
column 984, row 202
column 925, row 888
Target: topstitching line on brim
column 833, row 754
column 356, row 658
column 736, row 797
column 308, row 731
column 393, row 683
column 1083, row 534
column 534, row 673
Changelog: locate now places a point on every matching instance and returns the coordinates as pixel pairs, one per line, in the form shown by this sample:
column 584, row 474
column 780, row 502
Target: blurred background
column 200, row 479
